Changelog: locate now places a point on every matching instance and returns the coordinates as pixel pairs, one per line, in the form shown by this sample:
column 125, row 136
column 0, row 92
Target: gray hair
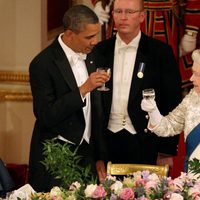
column 76, row 17
column 196, row 56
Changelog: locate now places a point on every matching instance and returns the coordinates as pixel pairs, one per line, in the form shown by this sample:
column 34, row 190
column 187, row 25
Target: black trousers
column 124, row 147
column 86, row 151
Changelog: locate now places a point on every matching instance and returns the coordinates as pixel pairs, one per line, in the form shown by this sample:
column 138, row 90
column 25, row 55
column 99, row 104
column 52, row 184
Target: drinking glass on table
column 107, row 70
column 148, row 93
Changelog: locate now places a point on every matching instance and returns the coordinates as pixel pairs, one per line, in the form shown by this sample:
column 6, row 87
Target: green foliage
column 194, row 166
column 62, row 163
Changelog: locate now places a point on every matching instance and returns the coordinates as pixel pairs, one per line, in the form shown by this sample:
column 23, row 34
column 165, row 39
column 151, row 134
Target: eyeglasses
column 196, row 74
column 128, row 12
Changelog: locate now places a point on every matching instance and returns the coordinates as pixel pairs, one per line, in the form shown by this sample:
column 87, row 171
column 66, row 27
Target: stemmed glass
column 100, row 70
column 148, row 93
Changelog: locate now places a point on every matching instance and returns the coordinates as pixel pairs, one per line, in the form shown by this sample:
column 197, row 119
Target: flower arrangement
column 139, row 186
column 78, row 184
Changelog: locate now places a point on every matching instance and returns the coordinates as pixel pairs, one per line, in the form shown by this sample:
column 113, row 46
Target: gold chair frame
column 127, row 169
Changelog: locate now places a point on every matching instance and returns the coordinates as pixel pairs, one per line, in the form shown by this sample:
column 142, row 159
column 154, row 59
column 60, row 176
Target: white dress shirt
column 80, row 72
column 124, row 61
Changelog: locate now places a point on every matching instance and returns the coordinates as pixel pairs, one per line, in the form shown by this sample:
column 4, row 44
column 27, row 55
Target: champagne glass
column 100, row 70
column 148, row 93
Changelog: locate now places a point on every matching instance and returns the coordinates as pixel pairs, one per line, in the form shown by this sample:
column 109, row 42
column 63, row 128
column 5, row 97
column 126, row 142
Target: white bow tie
column 82, row 56
column 78, row 56
column 124, row 47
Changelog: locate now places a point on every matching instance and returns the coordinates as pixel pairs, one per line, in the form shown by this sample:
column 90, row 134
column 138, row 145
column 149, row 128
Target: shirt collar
column 71, row 55
column 120, row 44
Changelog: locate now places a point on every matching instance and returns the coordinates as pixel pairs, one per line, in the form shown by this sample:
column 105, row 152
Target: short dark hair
column 76, row 17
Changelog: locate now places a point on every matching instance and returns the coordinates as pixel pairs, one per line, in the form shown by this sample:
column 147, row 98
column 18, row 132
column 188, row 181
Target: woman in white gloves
column 185, row 117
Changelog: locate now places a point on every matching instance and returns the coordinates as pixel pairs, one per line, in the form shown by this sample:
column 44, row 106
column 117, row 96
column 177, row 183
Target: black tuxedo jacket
column 161, row 73
column 58, row 106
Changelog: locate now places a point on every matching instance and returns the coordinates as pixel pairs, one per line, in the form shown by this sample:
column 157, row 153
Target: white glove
column 149, row 105
column 103, row 14
column 187, row 44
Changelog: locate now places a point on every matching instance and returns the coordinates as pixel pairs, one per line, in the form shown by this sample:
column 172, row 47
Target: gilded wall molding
column 14, row 86
column 9, row 95
column 14, row 77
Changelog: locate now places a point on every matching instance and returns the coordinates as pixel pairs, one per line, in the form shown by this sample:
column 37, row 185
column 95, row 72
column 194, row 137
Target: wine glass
column 148, row 93
column 100, row 70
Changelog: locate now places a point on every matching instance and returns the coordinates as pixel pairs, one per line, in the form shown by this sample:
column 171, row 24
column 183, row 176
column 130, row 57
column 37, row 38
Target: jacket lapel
column 141, row 57
column 90, row 64
column 65, row 68
column 62, row 63
column 110, row 63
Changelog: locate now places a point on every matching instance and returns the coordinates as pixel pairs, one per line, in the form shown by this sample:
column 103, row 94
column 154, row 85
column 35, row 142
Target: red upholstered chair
column 19, row 173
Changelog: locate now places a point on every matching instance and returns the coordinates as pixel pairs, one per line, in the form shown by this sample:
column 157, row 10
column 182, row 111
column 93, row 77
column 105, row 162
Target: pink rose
column 126, row 194
column 140, row 182
column 89, row 190
column 99, row 192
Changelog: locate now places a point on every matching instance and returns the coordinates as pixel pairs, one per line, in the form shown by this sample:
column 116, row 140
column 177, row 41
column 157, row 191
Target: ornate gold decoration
column 14, row 86
column 13, row 76
column 126, row 169
column 8, row 95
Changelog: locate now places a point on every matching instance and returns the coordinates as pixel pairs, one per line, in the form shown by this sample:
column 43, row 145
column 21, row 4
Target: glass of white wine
column 100, row 70
column 148, row 93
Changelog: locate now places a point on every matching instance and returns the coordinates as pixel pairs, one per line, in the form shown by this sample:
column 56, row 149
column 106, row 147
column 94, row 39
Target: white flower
column 151, row 184
column 56, row 193
column 137, row 175
column 128, row 182
column 90, row 190
column 117, row 187
column 184, row 176
column 153, row 177
column 112, row 178
column 176, row 196
column 75, row 186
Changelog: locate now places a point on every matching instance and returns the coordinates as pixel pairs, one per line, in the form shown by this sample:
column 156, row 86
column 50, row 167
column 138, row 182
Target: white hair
column 196, row 56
